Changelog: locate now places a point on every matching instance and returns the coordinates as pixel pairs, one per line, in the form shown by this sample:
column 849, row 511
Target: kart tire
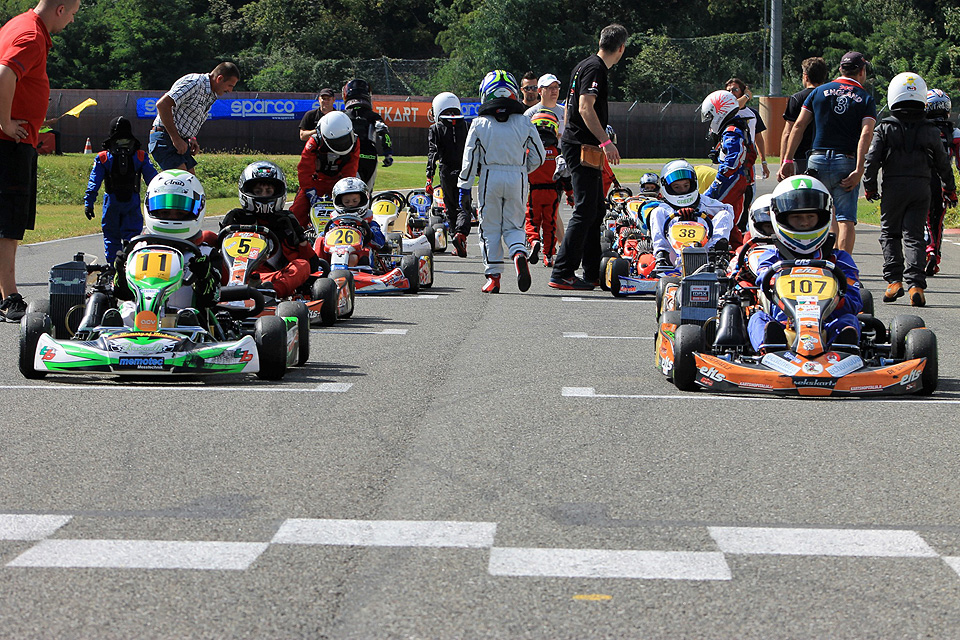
column 410, row 266
column 351, row 288
column 662, row 287
column 618, row 267
column 270, row 335
column 39, row 305
column 604, row 283
column 900, row 326
column 298, row 310
column 438, row 231
column 32, row 326
column 672, row 317
column 607, row 240
column 431, row 235
column 922, row 343
column 437, row 221
column 867, row 298
column 325, row 289
column 687, row 340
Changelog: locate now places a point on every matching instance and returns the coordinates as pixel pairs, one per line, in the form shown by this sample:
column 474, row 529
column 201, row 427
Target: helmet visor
column 802, row 200
column 175, row 202
column 340, row 145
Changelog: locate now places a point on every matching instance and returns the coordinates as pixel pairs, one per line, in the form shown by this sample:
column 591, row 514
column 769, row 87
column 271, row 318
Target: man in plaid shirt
column 181, row 112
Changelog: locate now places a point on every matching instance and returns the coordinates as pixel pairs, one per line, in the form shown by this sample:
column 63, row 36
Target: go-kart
column 406, row 221
column 320, row 213
column 629, row 268
column 328, row 295
column 205, row 341
column 344, row 240
column 710, row 348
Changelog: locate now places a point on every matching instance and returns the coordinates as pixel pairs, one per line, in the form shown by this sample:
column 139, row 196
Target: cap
column 853, row 60
column 327, row 92
column 546, row 80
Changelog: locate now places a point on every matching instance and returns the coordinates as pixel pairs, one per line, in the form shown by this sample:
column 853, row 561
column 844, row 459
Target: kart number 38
column 687, row 234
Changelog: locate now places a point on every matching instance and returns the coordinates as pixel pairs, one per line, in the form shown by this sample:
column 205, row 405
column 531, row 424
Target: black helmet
column 355, row 92
column 121, row 134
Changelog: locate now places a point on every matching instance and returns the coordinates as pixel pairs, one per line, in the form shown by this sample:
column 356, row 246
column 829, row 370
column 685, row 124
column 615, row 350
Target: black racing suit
column 369, row 126
column 446, row 140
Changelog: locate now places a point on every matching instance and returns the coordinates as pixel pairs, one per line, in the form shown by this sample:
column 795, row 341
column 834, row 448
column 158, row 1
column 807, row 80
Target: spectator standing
column 548, row 88
column 24, row 94
column 311, row 119
column 585, row 131
column 814, row 75
column 843, row 113
column 528, row 89
column 181, row 112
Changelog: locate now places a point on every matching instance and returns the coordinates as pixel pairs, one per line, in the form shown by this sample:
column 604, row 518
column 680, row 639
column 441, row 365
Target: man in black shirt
column 308, row 125
column 586, row 122
column 814, row 74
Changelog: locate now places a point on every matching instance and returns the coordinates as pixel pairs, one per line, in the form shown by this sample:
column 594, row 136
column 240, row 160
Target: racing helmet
column 938, row 104
column 547, row 124
column 336, row 131
column 759, row 222
column 649, row 179
column 719, row 108
column 174, row 205
column 351, row 185
column 444, row 102
column 801, row 194
column 499, row 84
column 260, row 172
column 355, row 92
column 679, row 170
column 907, row 90
column 611, row 133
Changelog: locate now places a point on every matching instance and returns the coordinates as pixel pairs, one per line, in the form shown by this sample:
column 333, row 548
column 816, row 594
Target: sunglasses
column 529, row 88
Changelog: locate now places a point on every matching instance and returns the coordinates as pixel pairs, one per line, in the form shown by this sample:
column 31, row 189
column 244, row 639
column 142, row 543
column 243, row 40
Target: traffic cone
column 88, row 148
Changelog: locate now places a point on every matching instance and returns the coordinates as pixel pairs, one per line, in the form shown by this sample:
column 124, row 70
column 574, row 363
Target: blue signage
column 245, row 108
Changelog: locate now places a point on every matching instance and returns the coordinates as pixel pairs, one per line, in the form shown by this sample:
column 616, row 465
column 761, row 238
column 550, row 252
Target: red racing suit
column 543, row 203
column 318, row 170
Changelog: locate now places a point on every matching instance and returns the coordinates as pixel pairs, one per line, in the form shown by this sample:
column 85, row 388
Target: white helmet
column 718, row 109
column 906, row 88
column 336, row 131
column 262, row 171
column 679, row 170
column 760, row 215
column 938, row 104
column 351, row 185
column 801, row 194
column 174, row 205
column 445, row 101
column 647, row 179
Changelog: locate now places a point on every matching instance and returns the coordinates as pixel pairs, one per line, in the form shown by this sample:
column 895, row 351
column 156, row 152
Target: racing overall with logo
column 737, row 156
column 544, row 202
column 721, row 216
column 319, row 169
column 950, row 137
column 445, row 141
column 369, row 126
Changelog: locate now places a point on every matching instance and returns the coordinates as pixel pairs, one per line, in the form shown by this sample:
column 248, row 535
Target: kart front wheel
column 410, row 266
column 687, row 340
column 298, row 310
column 325, row 289
column 270, row 335
column 900, row 326
column 618, row 267
column 662, row 288
column 867, row 299
column 351, row 289
column 32, row 326
column 922, row 343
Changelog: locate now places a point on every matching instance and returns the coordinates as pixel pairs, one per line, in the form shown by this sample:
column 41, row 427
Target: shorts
column 165, row 154
column 831, row 169
column 18, row 189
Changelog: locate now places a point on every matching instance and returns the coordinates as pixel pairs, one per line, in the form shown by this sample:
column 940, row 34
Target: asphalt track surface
column 442, row 469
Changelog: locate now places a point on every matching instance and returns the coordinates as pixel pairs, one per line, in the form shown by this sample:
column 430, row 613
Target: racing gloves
column 464, row 199
column 206, row 281
column 88, row 211
column 871, row 196
column 387, row 160
column 429, row 187
column 950, row 197
column 312, row 196
column 687, row 214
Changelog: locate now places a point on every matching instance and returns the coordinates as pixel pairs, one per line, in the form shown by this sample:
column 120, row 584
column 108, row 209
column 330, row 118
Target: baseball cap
column 546, row 80
column 853, row 60
column 327, row 92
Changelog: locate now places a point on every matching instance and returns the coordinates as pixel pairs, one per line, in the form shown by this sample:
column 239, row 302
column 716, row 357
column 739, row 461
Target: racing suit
column 121, row 219
column 544, row 202
column 737, row 156
column 845, row 314
column 318, row 170
column 502, row 147
column 720, row 214
column 445, row 142
column 950, row 137
column 369, row 126
column 292, row 265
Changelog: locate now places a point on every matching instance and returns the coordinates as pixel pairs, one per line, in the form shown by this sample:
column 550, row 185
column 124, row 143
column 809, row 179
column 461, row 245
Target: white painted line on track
column 581, row 335
column 140, row 554
column 385, row 332
column 601, row 563
column 323, row 387
column 37, row 244
column 387, row 533
column 591, row 392
column 592, row 299
column 821, row 542
column 953, row 563
column 419, row 296
column 29, row 527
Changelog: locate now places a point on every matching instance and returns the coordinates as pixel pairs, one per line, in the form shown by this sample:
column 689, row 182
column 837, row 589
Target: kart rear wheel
column 900, row 326
column 662, row 287
column 351, row 289
column 325, row 289
column 32, row 326
column 431, row 235
column 289, row 308
column 270, row 335
column 604, row 283
column 618, row 267
column 410, row 266
column 867, row 298
column 922, row 343
column 438, row 232
column 687, row 340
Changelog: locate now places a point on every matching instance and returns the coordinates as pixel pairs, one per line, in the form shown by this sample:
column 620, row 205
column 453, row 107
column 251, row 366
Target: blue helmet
column 499, row 84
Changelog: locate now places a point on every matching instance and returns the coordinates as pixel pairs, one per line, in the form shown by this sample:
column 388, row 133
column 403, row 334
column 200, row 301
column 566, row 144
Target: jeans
column 165, row 154
column 831, row 169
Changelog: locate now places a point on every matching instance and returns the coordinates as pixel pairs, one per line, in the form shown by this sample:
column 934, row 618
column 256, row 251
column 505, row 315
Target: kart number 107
column 822, row 288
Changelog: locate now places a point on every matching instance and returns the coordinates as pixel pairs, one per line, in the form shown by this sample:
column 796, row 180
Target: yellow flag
column 75, row 112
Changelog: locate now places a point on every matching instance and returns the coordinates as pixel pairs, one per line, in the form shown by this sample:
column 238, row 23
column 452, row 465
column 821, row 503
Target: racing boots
column 894, row 291
column 533, row 254
column 460, row 245
column 917, row 299
column 523, row 270
column 493, row 283
column 847, row 340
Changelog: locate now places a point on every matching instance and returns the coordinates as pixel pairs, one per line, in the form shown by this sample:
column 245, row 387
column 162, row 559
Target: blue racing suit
column 122, row 219
column 845, row 315
column 737, row 155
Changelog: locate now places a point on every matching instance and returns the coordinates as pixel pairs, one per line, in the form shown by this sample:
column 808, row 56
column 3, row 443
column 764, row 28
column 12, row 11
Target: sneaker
column 521, row 262
column 460, row 245
column 13, row 308
column 933, row 266
column 894, row 291
column 534, row 253
column 917, row 299
column 547, row 261
column 572, row 283
column 493, row 284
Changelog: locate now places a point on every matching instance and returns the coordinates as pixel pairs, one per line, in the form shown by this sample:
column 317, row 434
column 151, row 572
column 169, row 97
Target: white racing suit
column 721, row 215
column 502, row 154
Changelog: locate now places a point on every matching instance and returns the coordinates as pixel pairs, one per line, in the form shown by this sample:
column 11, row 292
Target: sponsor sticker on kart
column 844, row 367
column 867, row 387
column 812, row 368
column 699, row 293
column 140, row 362
column 779, row 364
column 822, row 383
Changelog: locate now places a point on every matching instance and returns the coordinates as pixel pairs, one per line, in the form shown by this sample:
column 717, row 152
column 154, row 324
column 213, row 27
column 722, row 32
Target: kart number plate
column 155, row 263
column 244, row 244
column 419, row 200
column 342, row 236
column 821, row 287
column 688, row 233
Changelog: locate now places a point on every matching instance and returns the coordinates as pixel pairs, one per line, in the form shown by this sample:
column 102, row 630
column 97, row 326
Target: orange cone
column 88, row 148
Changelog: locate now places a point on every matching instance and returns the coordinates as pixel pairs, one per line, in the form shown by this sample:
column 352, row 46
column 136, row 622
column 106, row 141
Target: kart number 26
column 343, row 236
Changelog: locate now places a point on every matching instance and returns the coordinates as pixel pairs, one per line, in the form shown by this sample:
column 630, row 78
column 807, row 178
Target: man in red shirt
column 24, row 94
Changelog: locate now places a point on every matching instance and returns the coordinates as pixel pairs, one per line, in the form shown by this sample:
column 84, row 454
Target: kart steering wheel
column 766, row 284
column 618, row 195
column 393, row 196
column 701, row 216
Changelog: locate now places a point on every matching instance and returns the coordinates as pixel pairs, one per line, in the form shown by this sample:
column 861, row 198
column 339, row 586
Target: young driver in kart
column 350, row 199
column 801, row 213
column 263, row 193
